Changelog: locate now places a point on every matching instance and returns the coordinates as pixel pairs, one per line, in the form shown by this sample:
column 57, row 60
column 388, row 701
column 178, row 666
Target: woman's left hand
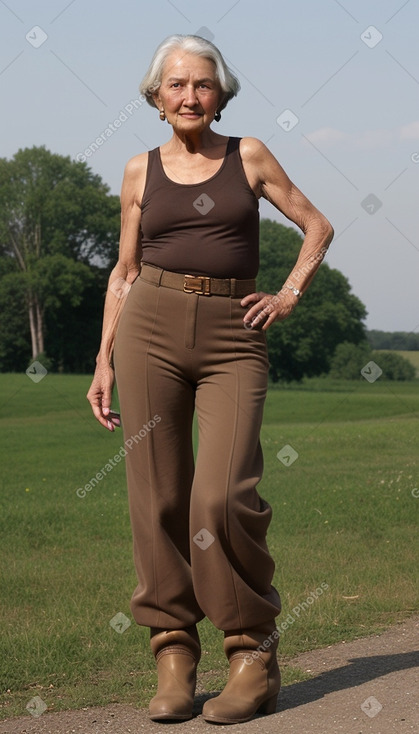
column 267, row 308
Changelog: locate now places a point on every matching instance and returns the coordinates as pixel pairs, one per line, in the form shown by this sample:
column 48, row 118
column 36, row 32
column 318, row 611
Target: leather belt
column 202, row 285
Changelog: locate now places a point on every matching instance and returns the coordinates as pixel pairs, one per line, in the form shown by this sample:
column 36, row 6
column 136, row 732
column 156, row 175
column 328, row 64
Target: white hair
column 229, row 83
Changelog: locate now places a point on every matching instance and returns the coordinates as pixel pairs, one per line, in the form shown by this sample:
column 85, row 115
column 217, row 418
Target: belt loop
column 160, row 277
column 233, row 287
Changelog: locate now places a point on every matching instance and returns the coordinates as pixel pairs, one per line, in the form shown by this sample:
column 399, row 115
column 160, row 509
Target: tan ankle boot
column 177, row 654
column 254, row 680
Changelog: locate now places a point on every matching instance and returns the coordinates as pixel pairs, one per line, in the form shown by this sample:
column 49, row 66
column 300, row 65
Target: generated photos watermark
column 111, row 129
column 287, row 455
column 120, row 287
column 302, row 270
column 36, row 371
column 120, row 623
column 203, row 539
column 36, row 36
column 371, row 204
column 371, row 36
column 36, row 706
column 129, row 443
column 371, row 707
column 203, row 204
column 287, row 120
column 371, row 371
column 291, row 618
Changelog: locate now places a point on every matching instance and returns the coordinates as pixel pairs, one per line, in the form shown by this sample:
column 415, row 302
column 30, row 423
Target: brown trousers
column 199, row 529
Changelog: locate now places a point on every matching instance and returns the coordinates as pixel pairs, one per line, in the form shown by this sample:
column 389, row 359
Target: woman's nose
column 190, row 95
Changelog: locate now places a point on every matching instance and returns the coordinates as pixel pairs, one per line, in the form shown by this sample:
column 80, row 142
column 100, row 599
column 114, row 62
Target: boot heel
column 268, row 706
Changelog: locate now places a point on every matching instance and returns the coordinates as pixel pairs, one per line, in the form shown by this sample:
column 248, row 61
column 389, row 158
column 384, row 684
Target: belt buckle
column 200, row 284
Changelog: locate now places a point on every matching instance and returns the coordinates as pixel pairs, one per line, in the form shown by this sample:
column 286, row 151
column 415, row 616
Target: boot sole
column 170, row 717
column 267, row 707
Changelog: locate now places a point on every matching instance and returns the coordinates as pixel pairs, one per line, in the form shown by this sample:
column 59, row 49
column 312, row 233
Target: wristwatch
column 294, row 290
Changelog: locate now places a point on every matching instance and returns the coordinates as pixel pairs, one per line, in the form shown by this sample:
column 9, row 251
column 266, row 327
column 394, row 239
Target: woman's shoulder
column 136, row 165
column 134, row 178
column 252, row 149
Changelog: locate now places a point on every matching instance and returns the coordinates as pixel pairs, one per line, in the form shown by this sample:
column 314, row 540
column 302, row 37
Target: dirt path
column 368, row 686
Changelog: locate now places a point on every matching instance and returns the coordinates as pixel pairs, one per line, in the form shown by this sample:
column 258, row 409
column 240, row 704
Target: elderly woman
column 185, row 330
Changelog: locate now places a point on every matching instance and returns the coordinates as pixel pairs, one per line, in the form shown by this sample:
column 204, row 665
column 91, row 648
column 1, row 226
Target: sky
column 330, row 87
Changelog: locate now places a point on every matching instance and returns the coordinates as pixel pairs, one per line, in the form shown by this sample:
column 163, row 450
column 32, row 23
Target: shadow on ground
column 357, row 671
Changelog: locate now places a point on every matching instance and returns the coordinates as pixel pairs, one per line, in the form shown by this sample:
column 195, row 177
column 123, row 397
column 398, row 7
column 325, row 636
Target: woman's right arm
column 121, row 278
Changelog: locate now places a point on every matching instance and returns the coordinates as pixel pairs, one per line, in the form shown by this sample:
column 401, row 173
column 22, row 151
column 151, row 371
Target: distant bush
column 44, row 360
column 349, row 359
column 394, row 366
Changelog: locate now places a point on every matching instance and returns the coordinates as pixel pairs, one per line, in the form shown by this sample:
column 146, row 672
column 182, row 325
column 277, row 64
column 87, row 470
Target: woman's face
column 189, row 91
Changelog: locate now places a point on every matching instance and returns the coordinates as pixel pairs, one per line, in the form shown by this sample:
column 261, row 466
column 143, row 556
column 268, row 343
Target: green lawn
column 344, row 523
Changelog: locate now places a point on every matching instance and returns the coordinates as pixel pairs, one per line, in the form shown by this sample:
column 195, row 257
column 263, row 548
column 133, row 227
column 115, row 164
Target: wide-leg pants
column 199, row 529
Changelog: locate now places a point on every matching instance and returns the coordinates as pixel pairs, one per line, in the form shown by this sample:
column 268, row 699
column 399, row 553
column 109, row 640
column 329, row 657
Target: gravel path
column 363, row 687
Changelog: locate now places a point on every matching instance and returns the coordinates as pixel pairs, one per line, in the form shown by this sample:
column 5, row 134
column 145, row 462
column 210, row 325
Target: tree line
column 399, row 340
column 59, row 230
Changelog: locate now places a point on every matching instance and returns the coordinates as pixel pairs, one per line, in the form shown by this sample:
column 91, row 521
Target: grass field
column 344, row 524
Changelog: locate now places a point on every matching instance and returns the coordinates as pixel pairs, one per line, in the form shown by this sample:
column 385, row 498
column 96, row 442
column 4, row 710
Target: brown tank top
column 209, row 228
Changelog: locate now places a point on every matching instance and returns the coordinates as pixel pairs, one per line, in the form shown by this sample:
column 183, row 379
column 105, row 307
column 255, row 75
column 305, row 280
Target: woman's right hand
column 100, row 395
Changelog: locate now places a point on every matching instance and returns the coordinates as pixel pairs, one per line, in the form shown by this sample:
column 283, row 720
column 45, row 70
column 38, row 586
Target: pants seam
column 229, row 468
column 150, row 457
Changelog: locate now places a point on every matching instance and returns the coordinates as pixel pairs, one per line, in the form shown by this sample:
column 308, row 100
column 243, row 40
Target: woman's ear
column 157, row 100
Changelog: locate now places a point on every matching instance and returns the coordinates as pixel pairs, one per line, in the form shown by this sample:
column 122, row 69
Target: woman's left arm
column 270, row 181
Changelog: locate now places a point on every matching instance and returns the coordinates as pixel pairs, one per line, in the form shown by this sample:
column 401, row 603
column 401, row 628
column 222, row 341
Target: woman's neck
column 191, row 143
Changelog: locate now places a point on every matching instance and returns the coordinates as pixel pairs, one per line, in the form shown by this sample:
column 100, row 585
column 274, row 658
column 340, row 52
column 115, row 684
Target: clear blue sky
column 347, row 70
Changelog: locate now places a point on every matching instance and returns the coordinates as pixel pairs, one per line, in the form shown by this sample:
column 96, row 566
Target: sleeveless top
column 209, row 228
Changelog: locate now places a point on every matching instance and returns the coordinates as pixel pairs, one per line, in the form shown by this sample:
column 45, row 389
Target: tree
column 14, row 325
column 56, row 218
column 73, row 329
column 328, row 313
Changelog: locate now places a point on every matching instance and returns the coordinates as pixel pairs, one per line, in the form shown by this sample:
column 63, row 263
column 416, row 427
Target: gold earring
column 162, row 115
